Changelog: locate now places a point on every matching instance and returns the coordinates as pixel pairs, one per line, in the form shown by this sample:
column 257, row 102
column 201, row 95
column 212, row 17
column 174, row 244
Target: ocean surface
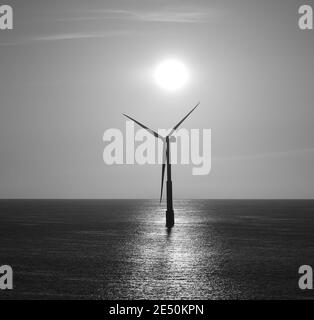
column 120, row 249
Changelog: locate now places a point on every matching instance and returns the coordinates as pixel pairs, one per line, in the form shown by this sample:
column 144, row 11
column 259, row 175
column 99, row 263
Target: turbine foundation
column 169, row 218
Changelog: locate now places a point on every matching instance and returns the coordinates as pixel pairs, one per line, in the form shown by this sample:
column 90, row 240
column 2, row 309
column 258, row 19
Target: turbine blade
column 163, row 169
column 155, row 134
column 177, row 125
column 162, row 180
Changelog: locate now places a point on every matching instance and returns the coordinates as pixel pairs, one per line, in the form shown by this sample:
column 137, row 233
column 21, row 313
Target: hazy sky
column 71, row 67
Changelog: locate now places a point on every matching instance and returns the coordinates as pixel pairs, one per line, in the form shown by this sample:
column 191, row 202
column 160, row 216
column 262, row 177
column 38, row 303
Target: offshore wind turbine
column 166, row 160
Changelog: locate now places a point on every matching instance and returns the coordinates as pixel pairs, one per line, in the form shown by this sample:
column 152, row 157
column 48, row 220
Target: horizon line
column 155, row 199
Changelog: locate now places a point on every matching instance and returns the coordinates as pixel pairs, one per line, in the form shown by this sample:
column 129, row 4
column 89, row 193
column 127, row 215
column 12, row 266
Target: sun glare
column 171, row 75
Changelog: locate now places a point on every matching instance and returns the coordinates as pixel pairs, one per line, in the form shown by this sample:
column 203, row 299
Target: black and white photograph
column 156, row 150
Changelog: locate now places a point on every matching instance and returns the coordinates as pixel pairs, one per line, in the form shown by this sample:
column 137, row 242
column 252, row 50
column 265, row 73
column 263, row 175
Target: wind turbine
column 166, row 160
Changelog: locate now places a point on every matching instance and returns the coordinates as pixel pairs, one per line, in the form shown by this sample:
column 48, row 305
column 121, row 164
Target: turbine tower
column 166, row 161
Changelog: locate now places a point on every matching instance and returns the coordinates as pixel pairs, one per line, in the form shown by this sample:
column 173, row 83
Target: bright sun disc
column 171, row 75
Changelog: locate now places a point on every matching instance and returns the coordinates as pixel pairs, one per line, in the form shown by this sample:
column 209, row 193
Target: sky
column 70, row 68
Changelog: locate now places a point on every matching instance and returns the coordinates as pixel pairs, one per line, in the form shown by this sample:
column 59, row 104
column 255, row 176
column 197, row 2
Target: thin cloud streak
column 153, row 16
column 65, row 36
column 156, row 16
column 170, row 16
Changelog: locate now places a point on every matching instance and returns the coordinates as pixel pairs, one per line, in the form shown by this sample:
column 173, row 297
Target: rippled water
column 113, row 249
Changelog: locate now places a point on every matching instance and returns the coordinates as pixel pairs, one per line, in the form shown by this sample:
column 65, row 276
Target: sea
column 121, row 249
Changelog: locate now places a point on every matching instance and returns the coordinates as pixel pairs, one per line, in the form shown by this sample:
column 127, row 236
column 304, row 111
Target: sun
column 171, row 75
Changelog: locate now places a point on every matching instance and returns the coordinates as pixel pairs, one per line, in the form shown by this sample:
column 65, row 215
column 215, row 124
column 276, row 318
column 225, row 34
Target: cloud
column 65, row 36
column 169, row 15
column 160, row 15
